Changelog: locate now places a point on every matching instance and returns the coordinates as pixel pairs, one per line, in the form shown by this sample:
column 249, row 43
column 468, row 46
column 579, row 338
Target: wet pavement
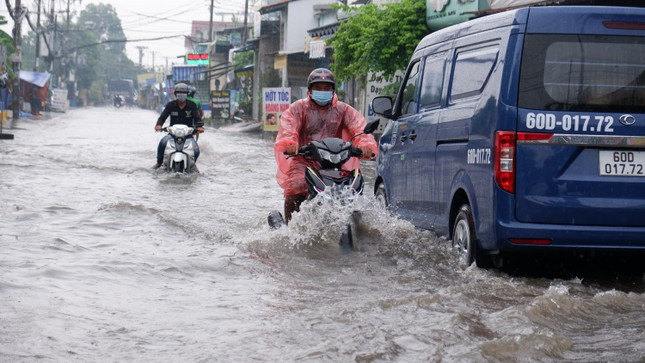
column 104, row 259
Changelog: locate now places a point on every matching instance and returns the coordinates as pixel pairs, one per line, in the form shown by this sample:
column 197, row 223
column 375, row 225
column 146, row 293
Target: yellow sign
column 280, row 62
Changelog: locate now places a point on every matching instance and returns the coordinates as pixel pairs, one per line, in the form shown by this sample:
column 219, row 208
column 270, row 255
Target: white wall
column 300, row 18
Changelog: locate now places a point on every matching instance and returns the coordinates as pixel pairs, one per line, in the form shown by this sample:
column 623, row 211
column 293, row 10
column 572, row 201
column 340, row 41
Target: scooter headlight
column 180, row 130
column 333, row 158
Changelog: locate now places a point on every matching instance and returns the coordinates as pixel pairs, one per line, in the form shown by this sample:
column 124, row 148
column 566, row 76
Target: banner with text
column 274, row 102
column 376, row 86
column 221, row 105
column 59, row 101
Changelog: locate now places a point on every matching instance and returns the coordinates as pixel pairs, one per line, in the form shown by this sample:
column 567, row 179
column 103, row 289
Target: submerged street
column 104, row 259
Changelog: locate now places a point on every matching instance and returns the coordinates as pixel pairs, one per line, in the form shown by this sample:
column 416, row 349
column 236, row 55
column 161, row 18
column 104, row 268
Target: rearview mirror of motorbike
column 371, row 126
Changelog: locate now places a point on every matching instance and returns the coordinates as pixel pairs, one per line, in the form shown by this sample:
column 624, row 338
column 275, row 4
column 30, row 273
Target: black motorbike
column 329, row 182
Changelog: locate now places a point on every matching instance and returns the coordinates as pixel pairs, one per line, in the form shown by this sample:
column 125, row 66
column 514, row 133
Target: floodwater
column 102, row 259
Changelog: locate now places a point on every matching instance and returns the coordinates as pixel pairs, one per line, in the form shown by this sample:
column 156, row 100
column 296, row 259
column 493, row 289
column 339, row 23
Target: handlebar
column 306, row 150
column 195, row 131
column 303, row 150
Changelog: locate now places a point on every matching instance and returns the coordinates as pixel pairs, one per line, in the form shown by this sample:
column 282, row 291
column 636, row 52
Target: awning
column 324, row 31
column 37, row 78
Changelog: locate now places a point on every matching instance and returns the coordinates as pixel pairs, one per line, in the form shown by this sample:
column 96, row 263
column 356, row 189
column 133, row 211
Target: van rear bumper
column 567, row 236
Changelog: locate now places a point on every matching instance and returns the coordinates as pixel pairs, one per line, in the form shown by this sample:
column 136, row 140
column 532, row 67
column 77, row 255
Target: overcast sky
column 143, row 19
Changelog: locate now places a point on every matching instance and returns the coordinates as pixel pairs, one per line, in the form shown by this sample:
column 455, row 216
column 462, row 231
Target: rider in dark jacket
column 181, row 112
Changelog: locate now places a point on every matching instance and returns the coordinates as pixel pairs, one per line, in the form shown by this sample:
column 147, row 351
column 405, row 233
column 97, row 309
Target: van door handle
column 413, row 135
column 404, row 137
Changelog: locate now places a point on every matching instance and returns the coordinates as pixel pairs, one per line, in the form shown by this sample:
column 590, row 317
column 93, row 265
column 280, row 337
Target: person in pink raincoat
column 316, row 117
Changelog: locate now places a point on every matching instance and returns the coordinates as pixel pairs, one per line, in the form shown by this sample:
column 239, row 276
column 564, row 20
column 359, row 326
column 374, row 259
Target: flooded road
column 103, row 259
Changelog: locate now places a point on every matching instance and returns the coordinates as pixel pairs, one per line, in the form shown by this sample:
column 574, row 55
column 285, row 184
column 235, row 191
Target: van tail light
column 625, row 25
column 505, row 160
column 533, row 136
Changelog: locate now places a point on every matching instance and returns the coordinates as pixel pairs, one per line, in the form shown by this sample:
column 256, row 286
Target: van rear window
column 583, row 73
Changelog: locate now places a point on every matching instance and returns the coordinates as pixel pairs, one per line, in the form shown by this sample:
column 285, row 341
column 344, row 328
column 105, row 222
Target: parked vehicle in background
column 522, row 131
column 124, row 88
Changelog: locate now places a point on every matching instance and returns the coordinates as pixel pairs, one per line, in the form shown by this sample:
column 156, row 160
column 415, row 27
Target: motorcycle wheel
column 178, row 167
column 348, row 237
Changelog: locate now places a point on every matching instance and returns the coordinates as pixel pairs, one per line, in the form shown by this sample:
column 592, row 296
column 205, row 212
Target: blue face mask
column 322, row 97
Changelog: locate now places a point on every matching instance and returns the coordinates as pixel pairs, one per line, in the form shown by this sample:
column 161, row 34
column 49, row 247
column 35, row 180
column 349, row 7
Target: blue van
column 522, row 131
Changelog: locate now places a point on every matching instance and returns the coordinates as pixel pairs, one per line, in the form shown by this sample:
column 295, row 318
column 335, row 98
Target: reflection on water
column 105, row 259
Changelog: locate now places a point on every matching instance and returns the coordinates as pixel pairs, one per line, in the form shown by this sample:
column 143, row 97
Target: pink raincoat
column 305, row 121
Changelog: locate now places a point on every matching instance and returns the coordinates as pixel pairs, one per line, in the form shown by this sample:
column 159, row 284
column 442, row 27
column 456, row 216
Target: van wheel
column 463, row 236
column 464, row 240
column 381, row 197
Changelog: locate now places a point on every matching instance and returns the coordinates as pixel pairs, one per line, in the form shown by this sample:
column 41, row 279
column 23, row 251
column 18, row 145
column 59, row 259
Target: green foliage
column 109, row 60
column 6, row 40
column 391, row 89
column 243, row 59
column 271, row 78
column 95, row 93
column 377, row 38
column 93, row 62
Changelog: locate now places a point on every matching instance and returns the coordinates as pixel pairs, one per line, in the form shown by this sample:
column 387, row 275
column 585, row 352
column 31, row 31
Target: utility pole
column 50, row 59
column 38, row 34
column 68, row 1
column 210, row 27
column 246, row 17
column 70, row 91
column 141, row 48
column 17, row 42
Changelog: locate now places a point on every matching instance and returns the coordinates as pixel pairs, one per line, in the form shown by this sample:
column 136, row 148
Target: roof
column 274, row 7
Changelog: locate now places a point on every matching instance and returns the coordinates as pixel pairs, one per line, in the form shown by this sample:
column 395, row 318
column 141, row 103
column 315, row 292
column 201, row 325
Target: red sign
column 197, row 58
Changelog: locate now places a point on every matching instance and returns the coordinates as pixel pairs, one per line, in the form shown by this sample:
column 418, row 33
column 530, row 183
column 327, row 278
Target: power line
column 122, row 41
column 191, row 7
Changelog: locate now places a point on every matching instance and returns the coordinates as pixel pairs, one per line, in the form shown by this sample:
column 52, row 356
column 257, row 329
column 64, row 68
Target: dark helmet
column 181, row 88
column 191, row 91
column 321, row 75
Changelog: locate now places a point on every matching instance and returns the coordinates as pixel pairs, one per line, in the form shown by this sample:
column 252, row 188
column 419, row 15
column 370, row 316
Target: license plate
column 621, row 162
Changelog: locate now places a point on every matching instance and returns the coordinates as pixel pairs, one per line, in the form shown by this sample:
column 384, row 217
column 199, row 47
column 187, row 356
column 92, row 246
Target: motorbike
column 329, row 182
column 179, row 155
column 118, row 102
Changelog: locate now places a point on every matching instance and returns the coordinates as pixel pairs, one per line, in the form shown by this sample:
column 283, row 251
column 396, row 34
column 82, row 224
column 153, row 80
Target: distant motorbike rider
column 117, row 101
column 181, row 111
column 316, row 117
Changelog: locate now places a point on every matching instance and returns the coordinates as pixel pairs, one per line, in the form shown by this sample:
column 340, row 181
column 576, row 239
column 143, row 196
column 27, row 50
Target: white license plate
column 621, row 162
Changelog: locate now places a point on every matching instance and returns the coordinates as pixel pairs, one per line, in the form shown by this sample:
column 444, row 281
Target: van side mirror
column 382, row 105
column 371, row 126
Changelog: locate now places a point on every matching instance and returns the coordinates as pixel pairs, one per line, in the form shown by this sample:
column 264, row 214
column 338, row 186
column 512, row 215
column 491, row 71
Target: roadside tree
column 377, row 38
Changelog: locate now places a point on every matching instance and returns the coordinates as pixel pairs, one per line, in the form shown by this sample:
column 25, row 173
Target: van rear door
column 580, row 153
